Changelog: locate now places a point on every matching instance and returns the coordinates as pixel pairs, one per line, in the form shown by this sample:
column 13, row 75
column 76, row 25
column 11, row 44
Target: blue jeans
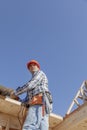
column 35, row 120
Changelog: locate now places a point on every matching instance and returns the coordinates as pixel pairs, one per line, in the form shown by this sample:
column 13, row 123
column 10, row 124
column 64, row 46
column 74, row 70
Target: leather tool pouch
column 37, row 100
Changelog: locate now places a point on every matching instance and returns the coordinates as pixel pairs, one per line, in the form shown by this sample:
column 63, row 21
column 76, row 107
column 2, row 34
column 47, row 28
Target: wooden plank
column 12, row 114
column 77, row 120
column 12, row 108
column 12, row 101
column 54, row 120
column 15, row 122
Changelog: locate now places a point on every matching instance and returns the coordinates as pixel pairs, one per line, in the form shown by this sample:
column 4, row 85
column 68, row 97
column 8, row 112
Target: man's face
column 33, row 67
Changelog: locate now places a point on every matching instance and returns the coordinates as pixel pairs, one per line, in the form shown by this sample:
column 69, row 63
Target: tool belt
column 37, row 100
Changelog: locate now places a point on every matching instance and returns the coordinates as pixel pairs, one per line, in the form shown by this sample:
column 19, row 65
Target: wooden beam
column 54, row 120
column 77, row 120
column 12, row 114
column 8, row 121
column 11, row 108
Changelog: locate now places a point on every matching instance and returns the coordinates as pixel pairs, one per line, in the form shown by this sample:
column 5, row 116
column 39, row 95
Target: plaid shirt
column 36, row 85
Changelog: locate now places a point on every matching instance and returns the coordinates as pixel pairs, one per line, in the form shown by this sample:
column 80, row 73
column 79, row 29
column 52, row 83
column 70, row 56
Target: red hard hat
column 33, row 61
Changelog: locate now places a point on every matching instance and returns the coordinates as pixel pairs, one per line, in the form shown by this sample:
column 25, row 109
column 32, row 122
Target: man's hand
column 13, row 96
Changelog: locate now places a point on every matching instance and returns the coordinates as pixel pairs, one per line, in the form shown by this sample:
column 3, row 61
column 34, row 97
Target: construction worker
column 37, row 117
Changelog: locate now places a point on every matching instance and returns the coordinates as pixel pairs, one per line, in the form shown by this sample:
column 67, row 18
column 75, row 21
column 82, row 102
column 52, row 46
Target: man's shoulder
column 42, row 72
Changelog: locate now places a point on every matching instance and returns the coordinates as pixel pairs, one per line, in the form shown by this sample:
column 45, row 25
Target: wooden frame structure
column 13, row 113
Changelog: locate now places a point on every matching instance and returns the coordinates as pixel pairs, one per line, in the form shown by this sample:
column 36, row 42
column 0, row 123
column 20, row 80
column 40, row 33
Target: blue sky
column 54, row 32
